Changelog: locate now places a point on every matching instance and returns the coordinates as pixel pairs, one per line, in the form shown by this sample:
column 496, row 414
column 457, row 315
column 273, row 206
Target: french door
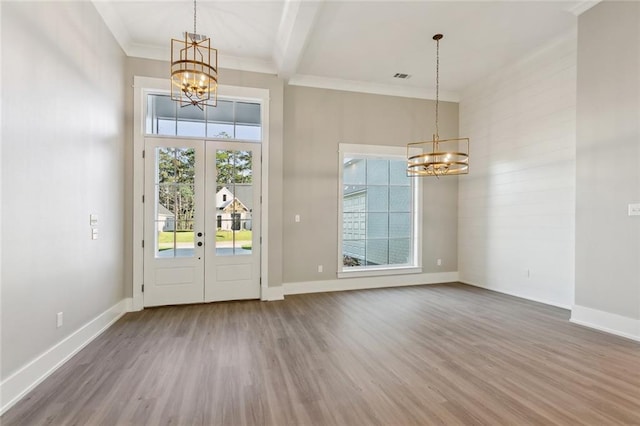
column 202, row 221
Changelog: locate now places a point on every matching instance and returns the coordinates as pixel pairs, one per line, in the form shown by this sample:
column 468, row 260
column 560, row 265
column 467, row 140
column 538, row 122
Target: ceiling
column 351, row 45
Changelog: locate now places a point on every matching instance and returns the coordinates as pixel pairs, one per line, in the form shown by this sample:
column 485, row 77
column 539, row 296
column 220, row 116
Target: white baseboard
column 361, row 283
column 521, row 296
column 16, row 386
column 272, row 293
column 607, row 322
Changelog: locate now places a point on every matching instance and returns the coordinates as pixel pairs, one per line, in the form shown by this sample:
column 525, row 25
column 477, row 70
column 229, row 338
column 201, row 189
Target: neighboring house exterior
column 372, row 235
column 232, row 213
column 166, row 220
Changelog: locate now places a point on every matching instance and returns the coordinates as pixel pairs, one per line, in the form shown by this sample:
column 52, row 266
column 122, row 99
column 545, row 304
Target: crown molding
column 373, row 88
column 582, row 6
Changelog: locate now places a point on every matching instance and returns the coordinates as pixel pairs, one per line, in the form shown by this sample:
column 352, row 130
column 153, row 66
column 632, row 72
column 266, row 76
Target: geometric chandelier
column 438, row 157
column 194, row 69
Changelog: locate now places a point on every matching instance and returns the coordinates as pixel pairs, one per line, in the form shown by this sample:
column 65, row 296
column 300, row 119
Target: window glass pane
column 247, row 113
column 353, row 253
column 354, row 171
column 166, row 127
column 191, row 128
column 190, row 121
column 354, row 198
column 377, row 252
column 248, row 133
column 220, row 120
column 220, row 131
column 377, row 172
column 234, row 202
column 377, row 225
column 398, row 173
column 161, row 115
column 175, row 202
column 399, row 225
column 400, row 198
column 399, row 251
column 377, row 198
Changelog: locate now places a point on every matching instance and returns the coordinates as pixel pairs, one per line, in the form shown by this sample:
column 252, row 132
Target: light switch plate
column 94, row 233
column 634, row 209
column 93, row 220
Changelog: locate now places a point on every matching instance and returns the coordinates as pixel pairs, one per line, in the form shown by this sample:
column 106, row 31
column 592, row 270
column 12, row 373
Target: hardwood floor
column 438, row 354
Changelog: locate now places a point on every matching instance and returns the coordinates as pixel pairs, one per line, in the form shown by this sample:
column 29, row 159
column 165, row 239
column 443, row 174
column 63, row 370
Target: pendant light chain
column 437, row 84
column 194, row 18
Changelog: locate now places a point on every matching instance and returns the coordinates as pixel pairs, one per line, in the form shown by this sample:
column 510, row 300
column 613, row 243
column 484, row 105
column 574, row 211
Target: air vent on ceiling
column 401, row 75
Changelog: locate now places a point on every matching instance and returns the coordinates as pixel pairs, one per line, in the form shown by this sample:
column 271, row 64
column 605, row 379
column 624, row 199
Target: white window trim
column 146, row 85
column 379, row 151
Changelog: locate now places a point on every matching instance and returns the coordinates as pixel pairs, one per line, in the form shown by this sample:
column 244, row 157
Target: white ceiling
column 351, row 45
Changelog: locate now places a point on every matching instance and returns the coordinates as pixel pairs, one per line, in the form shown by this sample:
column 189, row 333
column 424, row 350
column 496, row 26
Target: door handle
column 199, row 243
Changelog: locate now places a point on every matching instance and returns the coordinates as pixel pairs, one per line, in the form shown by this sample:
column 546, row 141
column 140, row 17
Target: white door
column 232, row 221
column 202, row 221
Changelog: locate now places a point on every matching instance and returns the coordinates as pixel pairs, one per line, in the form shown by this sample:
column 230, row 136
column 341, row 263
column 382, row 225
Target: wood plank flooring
column 438, row 354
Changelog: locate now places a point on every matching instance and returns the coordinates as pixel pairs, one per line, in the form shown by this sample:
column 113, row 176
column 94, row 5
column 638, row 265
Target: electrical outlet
column 59, row 319
column 634, row 209
column 439, row 262
column 320, row 268
column 297, row 218
column 527, row 273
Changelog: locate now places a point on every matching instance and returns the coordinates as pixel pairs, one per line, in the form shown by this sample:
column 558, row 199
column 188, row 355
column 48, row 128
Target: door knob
column 199, row 243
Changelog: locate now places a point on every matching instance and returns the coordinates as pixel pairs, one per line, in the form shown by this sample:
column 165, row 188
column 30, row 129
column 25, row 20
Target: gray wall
column 159, row 69
column 316, row 121
column 63, row 151
column 608, row 159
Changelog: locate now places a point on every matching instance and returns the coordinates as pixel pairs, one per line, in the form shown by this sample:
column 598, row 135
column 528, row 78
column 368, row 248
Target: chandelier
column 194, row 69
column 438, row 157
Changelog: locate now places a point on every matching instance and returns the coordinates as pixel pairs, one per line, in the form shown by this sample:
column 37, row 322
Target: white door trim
column 143, row 85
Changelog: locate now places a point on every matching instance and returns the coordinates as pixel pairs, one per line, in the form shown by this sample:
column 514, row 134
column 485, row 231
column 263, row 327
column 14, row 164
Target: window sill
column 371, row 272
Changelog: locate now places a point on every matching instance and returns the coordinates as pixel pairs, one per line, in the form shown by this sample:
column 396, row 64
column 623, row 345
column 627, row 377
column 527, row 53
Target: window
column 379, row 210
column 229, row 120
column 235, row 221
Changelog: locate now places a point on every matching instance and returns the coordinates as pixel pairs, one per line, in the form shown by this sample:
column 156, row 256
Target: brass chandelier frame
column 194, row 69
column 438, row 157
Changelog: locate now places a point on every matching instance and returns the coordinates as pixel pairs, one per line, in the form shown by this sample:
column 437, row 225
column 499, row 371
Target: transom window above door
column 231, row 119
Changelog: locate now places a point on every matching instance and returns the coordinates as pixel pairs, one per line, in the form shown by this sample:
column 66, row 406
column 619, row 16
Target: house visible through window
column 378, row 209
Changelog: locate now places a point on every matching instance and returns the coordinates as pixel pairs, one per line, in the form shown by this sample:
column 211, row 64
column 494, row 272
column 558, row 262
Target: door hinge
column 260, row 240
column 143, row 288
column 143, row 152
column 143, row 198
column 142, row 243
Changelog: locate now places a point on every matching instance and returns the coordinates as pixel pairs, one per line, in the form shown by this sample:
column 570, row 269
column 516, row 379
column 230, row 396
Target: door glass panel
column 234, row 202
column 174, row 202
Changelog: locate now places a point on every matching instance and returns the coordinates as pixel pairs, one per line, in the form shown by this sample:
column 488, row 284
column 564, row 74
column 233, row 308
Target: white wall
column 516, row 207
column 608, row 169
column 63, row 151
